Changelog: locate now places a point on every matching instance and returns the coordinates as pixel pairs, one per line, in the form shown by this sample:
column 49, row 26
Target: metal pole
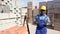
column 28, row 21
column 46, row 8
column 28, row 27
column 32, row 16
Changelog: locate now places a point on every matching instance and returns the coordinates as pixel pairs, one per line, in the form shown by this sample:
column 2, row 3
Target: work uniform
column 41, row 26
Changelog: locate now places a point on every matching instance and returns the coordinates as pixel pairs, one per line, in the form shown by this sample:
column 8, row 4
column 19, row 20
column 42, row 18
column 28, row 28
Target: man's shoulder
column 38, row 15
column 46, row 15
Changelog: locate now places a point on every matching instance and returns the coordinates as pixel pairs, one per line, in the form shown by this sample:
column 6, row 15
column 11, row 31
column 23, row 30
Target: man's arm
column 48, row 21
column 35, row 20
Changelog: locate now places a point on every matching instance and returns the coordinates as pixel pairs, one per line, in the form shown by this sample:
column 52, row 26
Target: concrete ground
column 49, row 31
column 31, row 27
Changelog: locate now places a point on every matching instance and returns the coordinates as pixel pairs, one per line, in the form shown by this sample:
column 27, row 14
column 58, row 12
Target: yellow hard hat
column 43, row 8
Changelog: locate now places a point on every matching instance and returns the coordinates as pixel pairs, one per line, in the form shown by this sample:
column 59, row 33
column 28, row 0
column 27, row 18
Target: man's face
column 42, row 12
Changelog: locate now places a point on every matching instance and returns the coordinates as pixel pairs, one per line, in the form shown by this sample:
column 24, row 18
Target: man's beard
column 41, row 14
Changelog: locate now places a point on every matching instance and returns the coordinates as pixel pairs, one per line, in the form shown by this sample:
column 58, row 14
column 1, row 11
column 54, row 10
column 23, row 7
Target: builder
column 41, row 19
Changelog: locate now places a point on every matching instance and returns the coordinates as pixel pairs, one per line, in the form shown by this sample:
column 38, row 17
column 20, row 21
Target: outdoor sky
column 36, row 2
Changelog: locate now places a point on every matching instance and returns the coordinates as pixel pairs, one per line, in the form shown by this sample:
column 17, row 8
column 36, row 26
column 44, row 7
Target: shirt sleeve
column 48, row 19
column 35, row 19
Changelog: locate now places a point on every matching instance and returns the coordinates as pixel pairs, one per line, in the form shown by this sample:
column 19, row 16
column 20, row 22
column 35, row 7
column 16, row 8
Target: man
column 41, row 19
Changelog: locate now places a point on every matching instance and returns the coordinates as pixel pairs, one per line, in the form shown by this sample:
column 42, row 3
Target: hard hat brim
column 43, row 10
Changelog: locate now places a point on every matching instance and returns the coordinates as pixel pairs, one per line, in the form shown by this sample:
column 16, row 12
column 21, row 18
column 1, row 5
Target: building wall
column 11, row 16
column 23, row 13
column 57, row 14
column 57, row 22
column 57, row 6
column 35, row 12
column 29, row 11
column 56, row 0
column 4, row 9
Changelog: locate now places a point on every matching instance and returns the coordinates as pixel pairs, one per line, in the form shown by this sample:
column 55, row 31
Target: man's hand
column 48, row 24
column 35, row 23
